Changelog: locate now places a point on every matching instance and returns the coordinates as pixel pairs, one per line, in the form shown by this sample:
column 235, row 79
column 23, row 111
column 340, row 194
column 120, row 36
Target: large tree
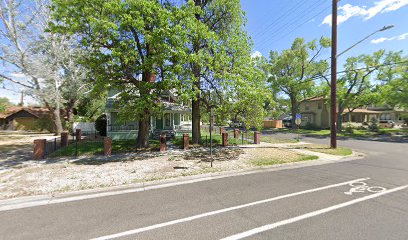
column 136, row 47
column 43, row 63
column 293, row 71
column 4, row 104
column 355, row 86
column 219, row 44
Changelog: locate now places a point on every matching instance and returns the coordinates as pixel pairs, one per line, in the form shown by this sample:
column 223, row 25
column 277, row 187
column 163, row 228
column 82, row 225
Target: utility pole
column 333, row 109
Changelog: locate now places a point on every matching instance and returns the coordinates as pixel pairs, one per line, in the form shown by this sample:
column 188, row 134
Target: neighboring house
column 316, row 111
column 26, row 118
column 174, row 118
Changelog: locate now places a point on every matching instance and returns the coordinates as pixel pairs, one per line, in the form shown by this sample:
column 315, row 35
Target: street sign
column 298, row 121
column 298, row 116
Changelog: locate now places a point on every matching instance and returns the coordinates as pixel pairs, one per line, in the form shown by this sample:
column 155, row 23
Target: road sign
column 298, row 116
column 298, row 121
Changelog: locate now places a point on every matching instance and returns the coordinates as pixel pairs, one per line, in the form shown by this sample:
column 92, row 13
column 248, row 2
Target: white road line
column 207, row 214
column 309, row 215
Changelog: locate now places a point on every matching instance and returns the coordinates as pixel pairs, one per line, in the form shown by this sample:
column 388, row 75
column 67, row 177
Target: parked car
column 287, row 122
column 386, row 123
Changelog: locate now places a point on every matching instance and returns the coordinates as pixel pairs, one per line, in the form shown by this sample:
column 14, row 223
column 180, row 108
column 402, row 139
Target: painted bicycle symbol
column 360, row 187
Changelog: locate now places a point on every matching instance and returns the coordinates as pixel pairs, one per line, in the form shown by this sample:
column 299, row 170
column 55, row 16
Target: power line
column 298, row 15
column 319, row 13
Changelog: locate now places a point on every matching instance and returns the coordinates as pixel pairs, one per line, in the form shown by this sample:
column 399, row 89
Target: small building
column 26, row 118
column 315, row 111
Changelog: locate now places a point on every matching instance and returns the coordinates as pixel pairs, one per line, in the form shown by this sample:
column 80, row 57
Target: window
column 167, row 119
column 307, row 118
column 307, row 106
column 319, row 105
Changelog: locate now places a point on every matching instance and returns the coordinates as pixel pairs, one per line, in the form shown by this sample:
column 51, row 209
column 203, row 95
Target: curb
column 41, row 200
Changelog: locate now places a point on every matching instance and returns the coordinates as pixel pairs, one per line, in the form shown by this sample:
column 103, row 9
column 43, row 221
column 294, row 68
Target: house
column 26, row 118
column 316, row 111
column 174, row 118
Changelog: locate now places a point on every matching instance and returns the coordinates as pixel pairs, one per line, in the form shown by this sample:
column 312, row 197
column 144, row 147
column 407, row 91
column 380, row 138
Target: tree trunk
column 69, row 109
column 144, row 125
column 56, row 117
column 293, row 111
column 196, row 116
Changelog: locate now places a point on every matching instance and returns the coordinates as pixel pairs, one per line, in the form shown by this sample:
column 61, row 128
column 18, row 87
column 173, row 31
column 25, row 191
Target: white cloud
column 18, row 75
column 256, row 54
column 383, row 39
column 348, row 11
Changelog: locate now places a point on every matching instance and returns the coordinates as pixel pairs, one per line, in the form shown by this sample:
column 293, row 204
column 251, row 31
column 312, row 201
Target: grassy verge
column 273, row 161
column 96, row 148
column 357, row 133
column 272, row 139
column 340, row 151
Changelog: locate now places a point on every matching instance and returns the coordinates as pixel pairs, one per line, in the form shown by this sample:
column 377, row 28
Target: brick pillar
column 163, row 143
column 39, row 149
column 78, row 134
column 222, row 130
column 107, row 146
column 186, row 141
column 64, row 139
column 224, row 139
column 236, row 133
column 257, row 137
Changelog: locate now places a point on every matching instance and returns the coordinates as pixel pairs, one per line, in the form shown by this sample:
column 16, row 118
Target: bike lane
column 243, row 219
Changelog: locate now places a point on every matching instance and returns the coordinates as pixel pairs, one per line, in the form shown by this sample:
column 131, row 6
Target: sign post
column 298, row 121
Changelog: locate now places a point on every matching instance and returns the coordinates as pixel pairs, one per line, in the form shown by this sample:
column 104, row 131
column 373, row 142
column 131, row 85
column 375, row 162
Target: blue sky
column 274, row 24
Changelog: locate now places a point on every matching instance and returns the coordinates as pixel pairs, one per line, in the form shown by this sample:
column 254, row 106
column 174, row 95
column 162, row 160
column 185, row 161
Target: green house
column 173, row 119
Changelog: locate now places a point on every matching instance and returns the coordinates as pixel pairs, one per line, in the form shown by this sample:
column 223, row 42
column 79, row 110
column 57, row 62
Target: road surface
column 361, row 199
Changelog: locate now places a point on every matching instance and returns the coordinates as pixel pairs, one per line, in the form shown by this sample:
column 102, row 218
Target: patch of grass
column 216, row 139
column 273, row 161
column 90, row 148
column 272, row 139
column 340, row 151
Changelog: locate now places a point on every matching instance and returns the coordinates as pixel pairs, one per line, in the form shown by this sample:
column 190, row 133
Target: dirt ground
column 56, row 176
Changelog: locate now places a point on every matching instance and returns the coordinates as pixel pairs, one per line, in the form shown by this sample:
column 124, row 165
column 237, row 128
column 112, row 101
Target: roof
column 314, row 99
column 35, row 111
column 363, row 110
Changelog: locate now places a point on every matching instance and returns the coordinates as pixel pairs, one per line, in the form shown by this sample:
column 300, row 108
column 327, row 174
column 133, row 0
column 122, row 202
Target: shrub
column 349, row 129
column 311, row 126
column 100, row 125
column 373, row 126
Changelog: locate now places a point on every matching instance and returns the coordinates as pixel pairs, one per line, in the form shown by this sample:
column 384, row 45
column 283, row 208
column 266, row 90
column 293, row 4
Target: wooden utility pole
column 333, row 109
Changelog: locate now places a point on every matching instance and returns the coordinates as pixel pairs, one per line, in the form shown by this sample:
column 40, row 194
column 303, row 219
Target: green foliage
column 292, row 72
column 101, row 124
column 4, row 104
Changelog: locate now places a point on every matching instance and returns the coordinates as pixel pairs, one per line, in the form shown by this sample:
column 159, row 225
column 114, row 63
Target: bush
column 311, row 126
column 373, row 126
column 349, row 129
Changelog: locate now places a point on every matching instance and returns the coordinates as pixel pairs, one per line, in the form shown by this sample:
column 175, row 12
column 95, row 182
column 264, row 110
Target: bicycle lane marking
column 224, row 210
column 310, row 214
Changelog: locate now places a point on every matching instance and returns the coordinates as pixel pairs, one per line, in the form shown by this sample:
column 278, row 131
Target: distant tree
column 4, row 104
column 46, row 62
column 394, row 80
column 293, row 71
column 356, row 87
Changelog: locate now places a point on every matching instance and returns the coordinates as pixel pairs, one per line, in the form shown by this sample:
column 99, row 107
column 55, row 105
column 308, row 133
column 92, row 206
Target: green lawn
column 341, row 151
column 216, row 139
column 96, row 148
column 357, row 133
column 272, row 139
column 274, row 161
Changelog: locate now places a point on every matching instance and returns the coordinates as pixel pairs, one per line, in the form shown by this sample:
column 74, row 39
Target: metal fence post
column 55, row 144
column 76, row 147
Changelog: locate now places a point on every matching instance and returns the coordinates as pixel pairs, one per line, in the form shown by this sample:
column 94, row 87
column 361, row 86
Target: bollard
column 107, row 146
column 257, row 137
column 78, row 134
column 163, row 143
column 39, row 149
column 224, row 139
column 236, row 133
column 186, row 141
column 64, row 139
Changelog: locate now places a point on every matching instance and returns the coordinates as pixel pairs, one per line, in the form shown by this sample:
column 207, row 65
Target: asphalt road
column 360, row 199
